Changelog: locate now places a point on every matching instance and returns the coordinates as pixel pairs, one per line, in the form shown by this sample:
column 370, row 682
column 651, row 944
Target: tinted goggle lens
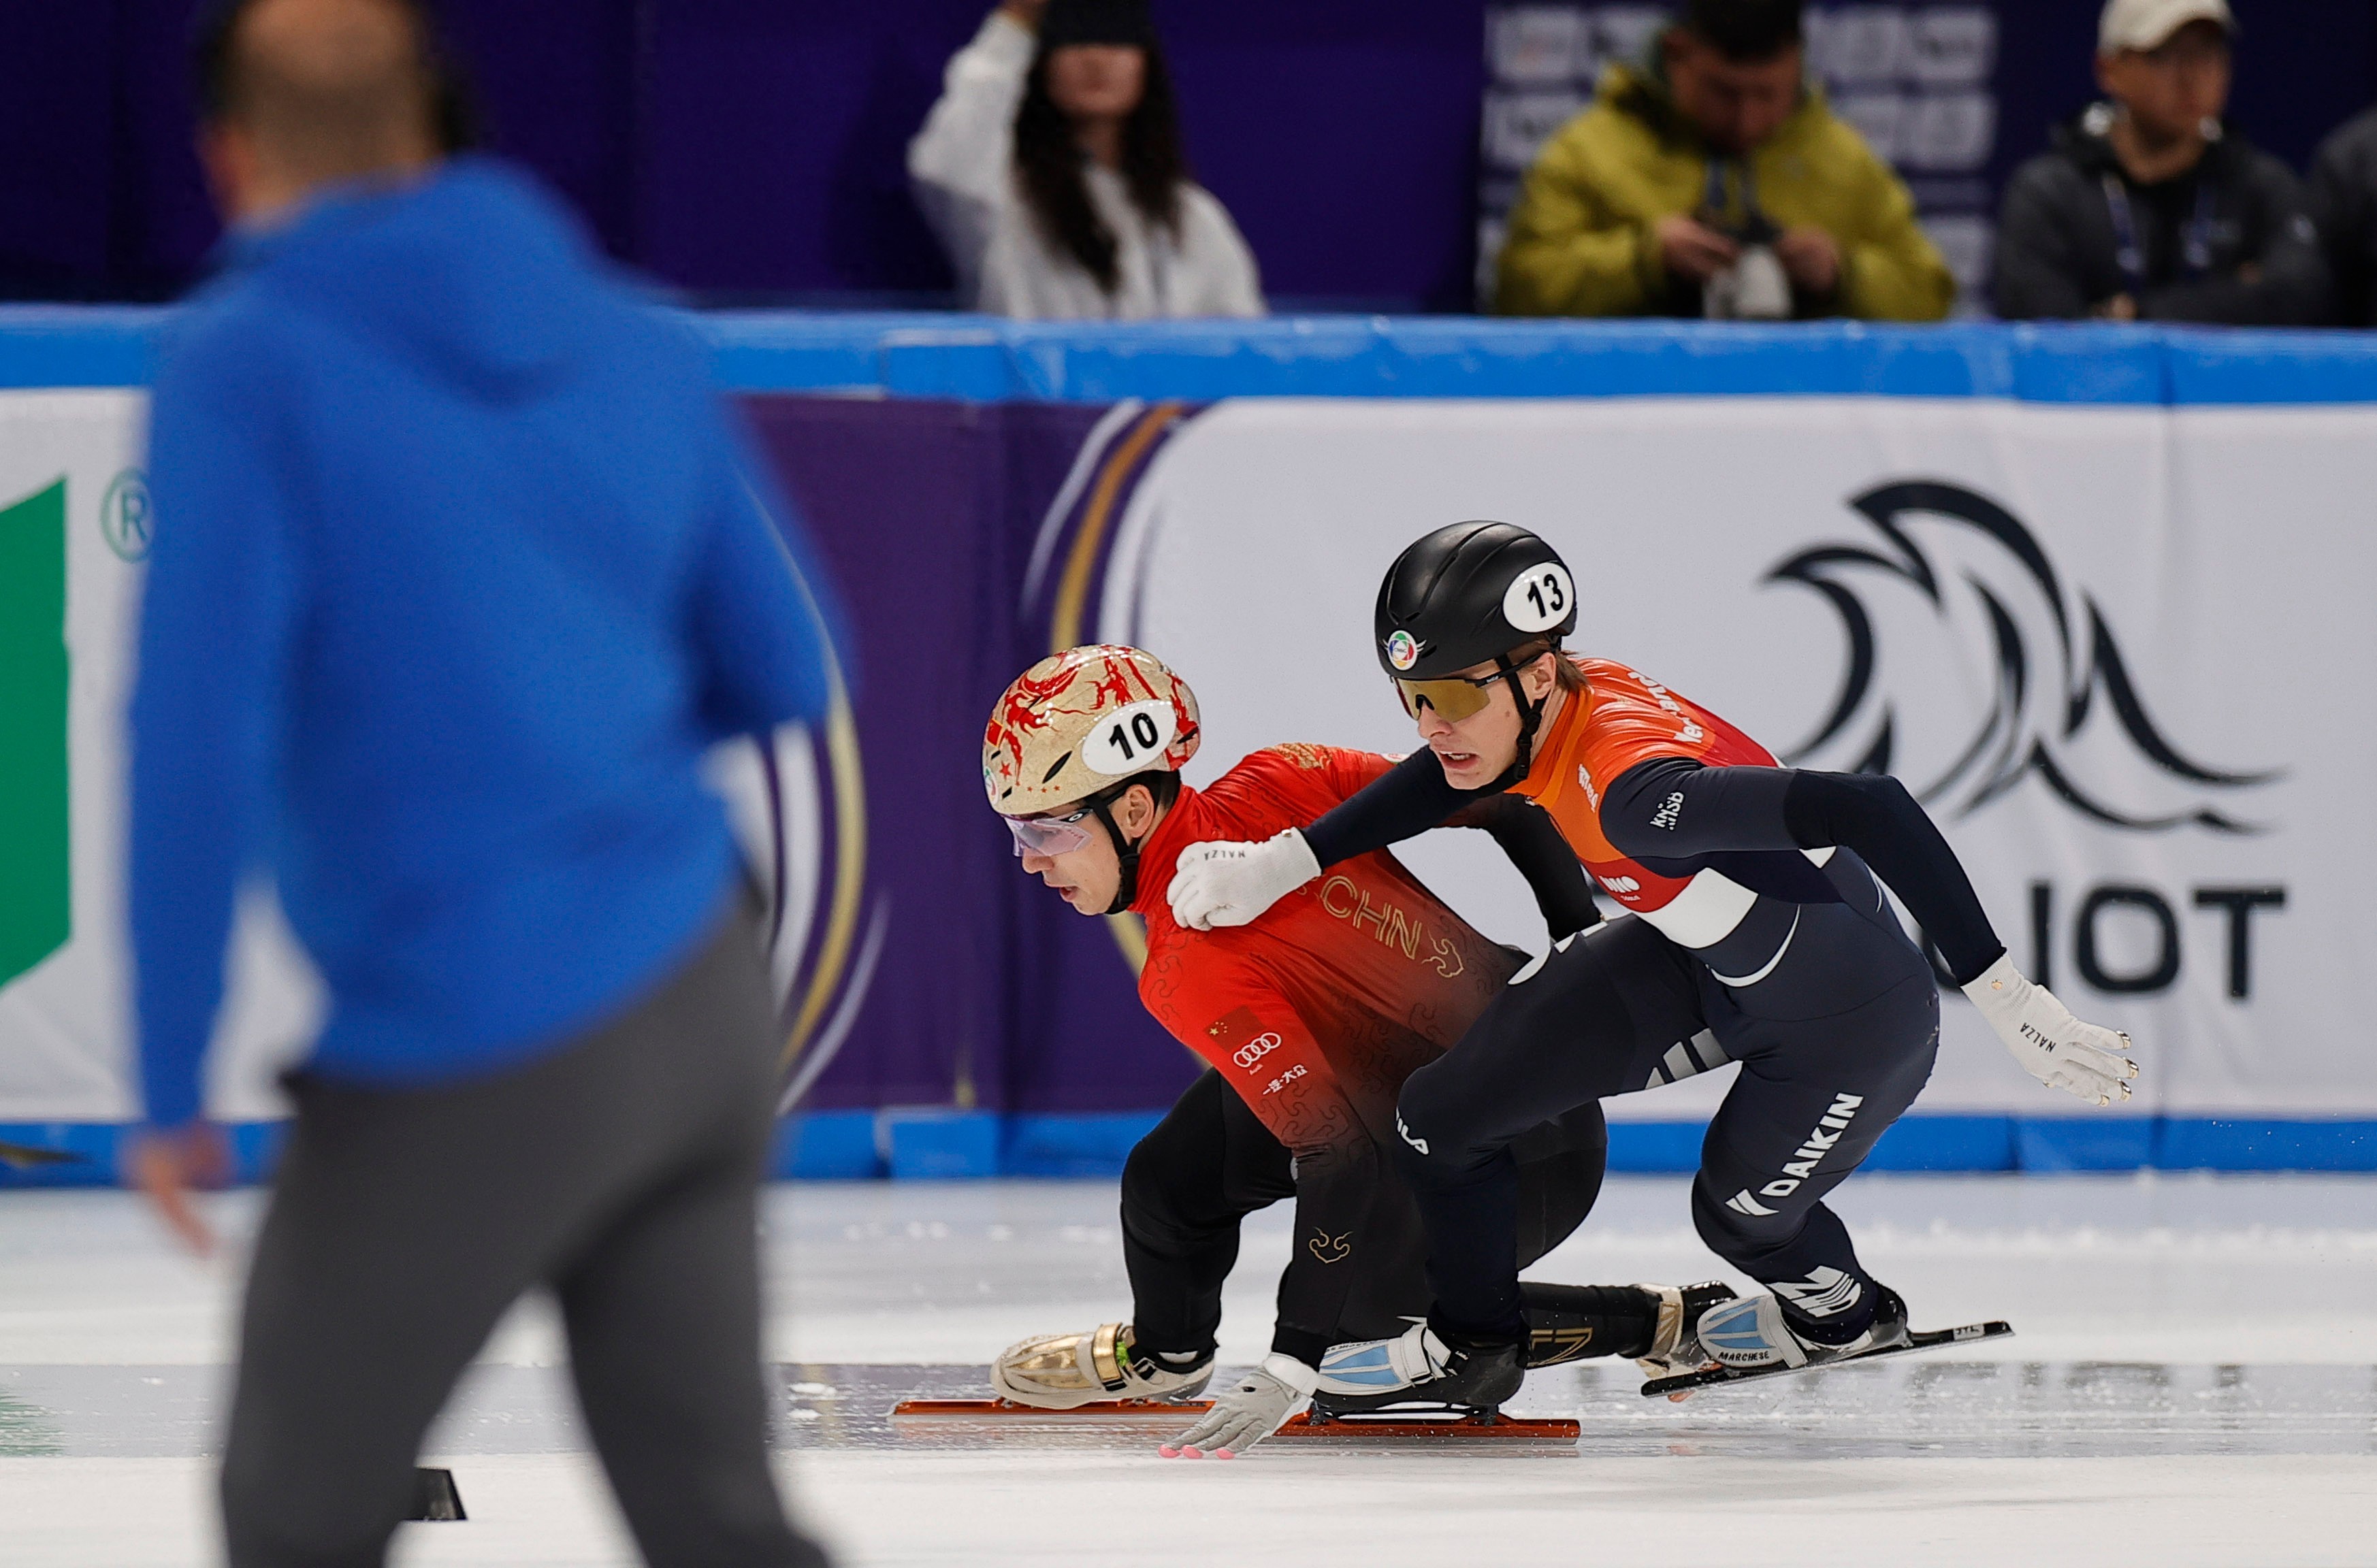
column 1049, row 835
column 1452, row 701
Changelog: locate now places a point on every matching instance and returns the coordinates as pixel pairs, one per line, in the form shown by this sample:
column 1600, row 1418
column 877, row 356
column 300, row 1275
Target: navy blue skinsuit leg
column 1834, row 1043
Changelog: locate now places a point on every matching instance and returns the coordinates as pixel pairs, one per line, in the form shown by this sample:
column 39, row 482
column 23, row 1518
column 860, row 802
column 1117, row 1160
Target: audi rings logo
column 1969, row 671
column 1255, row 1050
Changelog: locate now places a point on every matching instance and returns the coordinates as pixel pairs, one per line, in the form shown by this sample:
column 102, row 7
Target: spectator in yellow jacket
column 1712, row 180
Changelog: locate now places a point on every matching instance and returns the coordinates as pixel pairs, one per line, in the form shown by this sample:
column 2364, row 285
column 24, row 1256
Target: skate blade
column 1422, row 1425
column 1436, row 1425
column 1925, row 1339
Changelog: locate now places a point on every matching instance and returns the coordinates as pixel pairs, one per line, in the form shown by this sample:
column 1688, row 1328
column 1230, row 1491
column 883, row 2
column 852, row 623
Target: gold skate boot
column 1064, row 1372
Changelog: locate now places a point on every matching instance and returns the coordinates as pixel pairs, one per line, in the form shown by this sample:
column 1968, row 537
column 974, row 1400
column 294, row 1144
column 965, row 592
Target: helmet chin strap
column 1531, row 714
column 1126, row 856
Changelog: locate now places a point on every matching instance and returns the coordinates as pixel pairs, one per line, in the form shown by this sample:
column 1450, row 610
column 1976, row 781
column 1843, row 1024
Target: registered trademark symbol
column 124, row 517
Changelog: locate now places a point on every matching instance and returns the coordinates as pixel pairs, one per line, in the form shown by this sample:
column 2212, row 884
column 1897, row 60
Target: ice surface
column 2194, row 1381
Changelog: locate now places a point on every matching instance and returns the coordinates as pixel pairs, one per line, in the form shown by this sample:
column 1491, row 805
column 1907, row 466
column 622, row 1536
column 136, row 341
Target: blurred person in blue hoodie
column 459, row 568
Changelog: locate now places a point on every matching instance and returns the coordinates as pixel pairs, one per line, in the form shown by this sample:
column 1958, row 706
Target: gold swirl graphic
column 1073, row 593
column 848, row 771
column 849, row 865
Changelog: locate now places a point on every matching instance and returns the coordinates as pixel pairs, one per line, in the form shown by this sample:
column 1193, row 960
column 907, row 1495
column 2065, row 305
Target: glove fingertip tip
column 1165, row 1450
column 1224, row 1453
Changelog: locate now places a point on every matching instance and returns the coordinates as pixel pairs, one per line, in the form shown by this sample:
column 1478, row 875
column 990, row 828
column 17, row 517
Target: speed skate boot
column 1675, row 1347
column 1755, row 1331
column 1064, row 1372
column 1416, row 1368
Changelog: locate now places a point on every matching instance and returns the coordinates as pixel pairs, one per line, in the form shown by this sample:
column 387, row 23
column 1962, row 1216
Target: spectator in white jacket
column 1052, row 170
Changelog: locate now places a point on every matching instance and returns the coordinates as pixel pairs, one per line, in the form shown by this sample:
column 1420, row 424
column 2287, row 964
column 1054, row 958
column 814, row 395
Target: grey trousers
column 622, row 1172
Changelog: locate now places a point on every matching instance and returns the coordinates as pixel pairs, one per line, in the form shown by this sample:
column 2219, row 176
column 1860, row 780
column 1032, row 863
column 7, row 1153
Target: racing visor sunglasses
column 1453, row 697
column 1050, row 835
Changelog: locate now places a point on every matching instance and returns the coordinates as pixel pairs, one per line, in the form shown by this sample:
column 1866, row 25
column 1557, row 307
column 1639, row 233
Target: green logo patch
column 36, row 888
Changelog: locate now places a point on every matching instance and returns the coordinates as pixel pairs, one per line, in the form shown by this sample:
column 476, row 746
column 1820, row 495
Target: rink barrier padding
column 97, row 1148
column 845, row 1146
column 980, row 358
column 60, row 345
column 852, row 1145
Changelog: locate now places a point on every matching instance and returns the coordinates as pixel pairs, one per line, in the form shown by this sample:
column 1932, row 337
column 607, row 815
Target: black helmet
column 1467, row 595
column 1472, row 594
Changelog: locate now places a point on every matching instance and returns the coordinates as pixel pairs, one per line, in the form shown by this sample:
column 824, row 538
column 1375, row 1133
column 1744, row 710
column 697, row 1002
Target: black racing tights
column 1210, row 1163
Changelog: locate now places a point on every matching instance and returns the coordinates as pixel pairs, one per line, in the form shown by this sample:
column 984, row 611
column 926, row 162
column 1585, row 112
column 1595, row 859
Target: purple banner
column 934, row 973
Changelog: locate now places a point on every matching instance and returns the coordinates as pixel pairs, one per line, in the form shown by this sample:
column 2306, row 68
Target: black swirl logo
column 2047, row 694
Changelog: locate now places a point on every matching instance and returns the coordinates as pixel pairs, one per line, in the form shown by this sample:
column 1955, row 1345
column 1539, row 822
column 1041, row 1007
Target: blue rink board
column 938, row 1144
column 856, row 1145
column 981, row 359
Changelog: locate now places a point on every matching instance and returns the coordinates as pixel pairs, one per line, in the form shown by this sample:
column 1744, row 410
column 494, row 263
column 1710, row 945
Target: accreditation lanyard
column 2194, row 239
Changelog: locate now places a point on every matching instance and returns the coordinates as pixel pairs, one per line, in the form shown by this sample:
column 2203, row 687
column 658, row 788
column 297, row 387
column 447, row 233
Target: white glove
column 1231, row 883
column 2052, row 1046
column 1250, row 1410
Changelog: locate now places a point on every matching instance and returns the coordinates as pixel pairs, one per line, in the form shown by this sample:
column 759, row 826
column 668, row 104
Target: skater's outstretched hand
column 1231, row 883
column 2054, row 1047
column 1250, row 1409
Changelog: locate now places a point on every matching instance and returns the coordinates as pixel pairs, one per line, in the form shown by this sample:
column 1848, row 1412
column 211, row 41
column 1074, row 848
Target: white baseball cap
column 2148, row 24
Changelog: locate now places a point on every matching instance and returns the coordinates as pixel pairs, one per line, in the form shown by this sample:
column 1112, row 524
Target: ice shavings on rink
column 2194, row 1381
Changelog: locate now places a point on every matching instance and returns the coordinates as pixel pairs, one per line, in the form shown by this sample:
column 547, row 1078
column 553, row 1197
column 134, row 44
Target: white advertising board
column 2122, row 653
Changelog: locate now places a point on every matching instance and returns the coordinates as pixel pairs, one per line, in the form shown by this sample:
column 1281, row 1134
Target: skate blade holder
column 1454, row 1425
column 1922, row 1339
column 435, row 1497
column 1402, row 1426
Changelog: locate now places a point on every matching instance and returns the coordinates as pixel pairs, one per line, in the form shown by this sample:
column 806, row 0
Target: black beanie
column 1097, row 21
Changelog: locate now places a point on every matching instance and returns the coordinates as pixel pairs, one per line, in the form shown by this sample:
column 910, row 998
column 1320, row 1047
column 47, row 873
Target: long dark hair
column 1049, row 164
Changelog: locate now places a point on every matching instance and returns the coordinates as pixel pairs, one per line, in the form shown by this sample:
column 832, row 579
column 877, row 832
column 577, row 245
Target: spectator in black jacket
column 2344, row 205
column 2148, row 208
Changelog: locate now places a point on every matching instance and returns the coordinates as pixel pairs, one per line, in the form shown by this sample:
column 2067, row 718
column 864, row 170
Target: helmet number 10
column 1132, row 738
column 1141, row 728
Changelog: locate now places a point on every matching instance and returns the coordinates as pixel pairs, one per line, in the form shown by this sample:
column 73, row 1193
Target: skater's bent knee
column 1142, row 1172
column 1436, row 1119
column 1730, row 1223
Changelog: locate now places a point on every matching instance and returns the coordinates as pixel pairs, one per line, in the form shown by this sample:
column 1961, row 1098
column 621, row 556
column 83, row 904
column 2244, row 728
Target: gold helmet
column 1081, row 721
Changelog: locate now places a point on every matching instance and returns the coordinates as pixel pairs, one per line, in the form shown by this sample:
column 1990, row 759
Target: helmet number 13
column 1544, row 593
column 1539, row 599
